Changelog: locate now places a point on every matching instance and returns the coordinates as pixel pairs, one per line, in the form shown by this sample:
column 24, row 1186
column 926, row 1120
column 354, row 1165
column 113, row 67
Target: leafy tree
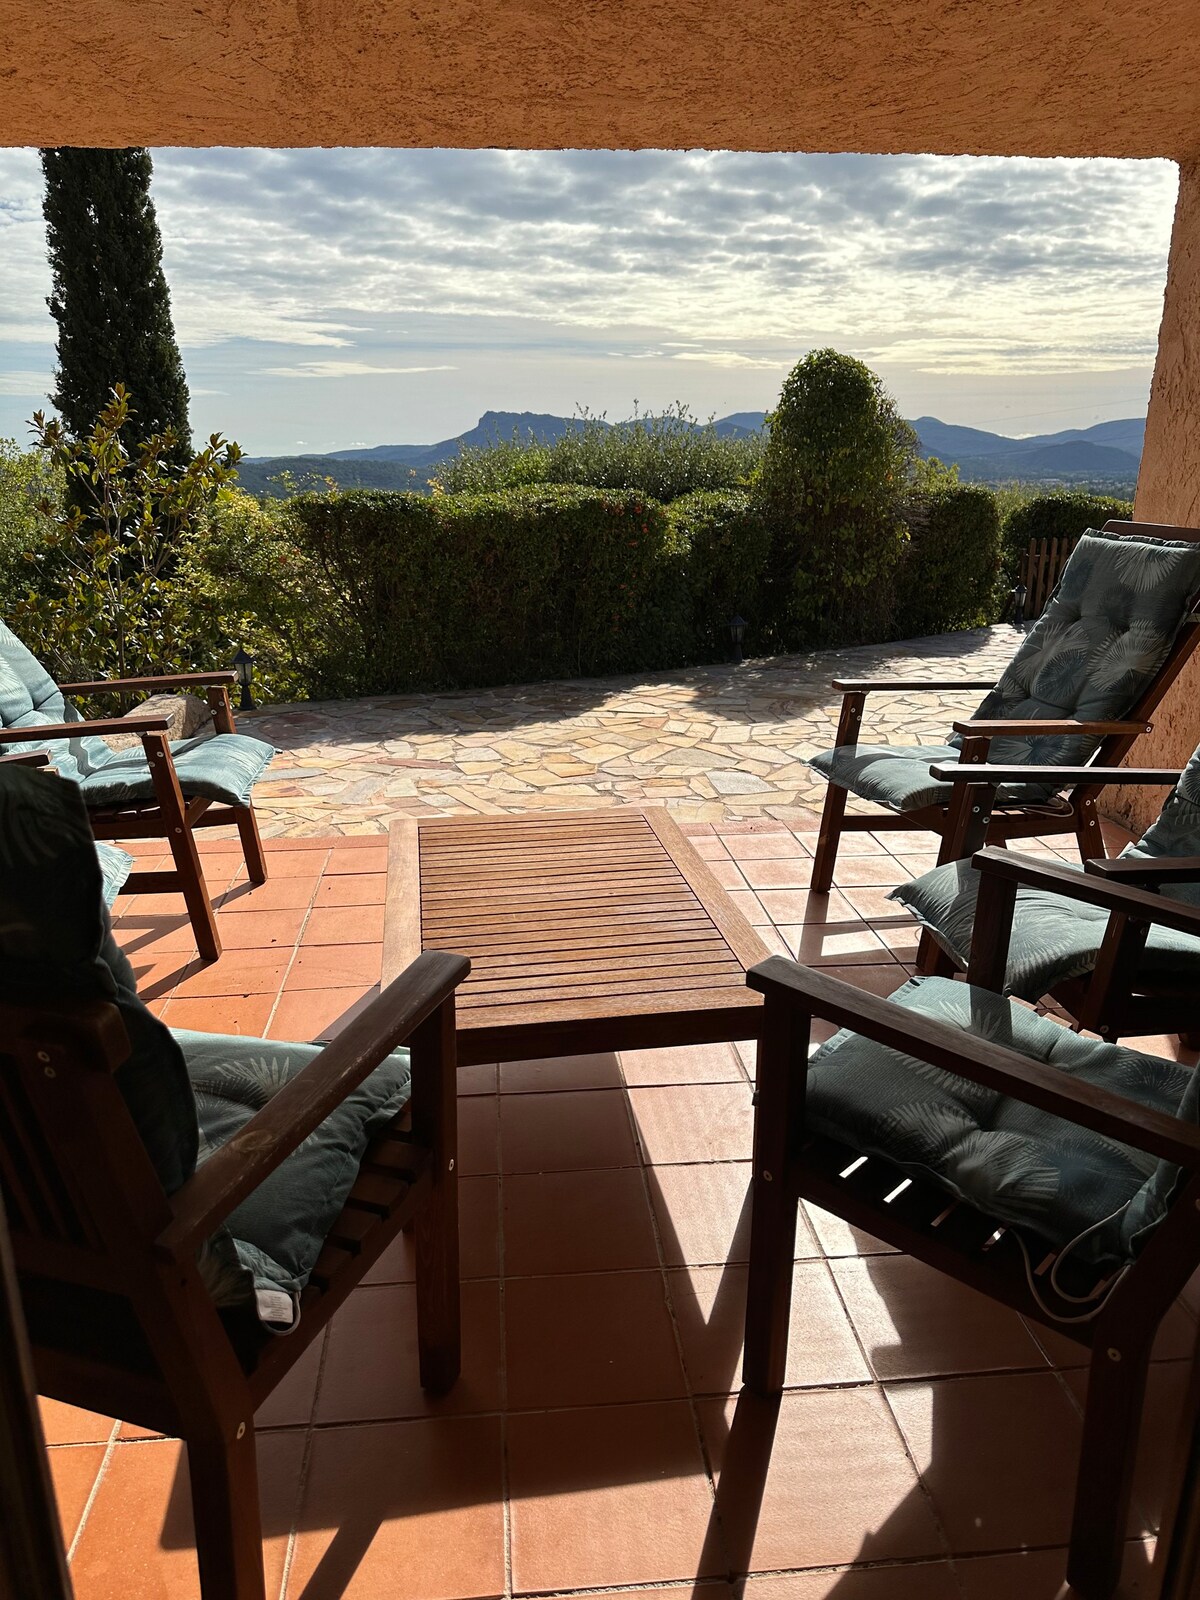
column 834, row 477
column 104, row 600
column 109, row 296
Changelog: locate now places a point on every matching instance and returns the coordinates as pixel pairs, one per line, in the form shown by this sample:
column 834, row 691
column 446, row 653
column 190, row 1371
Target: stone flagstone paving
column 711, row 743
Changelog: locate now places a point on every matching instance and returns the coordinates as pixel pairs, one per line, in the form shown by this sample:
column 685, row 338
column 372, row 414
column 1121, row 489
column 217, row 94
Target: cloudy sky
column 328, row 298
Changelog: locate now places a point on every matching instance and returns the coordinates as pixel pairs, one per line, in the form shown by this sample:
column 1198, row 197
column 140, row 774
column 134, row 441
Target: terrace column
column 1168, row 487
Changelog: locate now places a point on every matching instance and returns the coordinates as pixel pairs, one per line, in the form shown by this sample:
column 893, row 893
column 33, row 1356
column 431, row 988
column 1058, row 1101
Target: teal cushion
column 225, row 768
column 1039, row 1173
column 55, row 944
column 897, row 776
column 1055, row 938
column 277, row 1233
column 115, row 867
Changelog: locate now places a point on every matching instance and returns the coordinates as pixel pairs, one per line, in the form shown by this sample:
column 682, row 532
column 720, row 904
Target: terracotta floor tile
column 368, row 859
column 919, row 1580
column 153, row 938
column 589, row 1339
column 869, row 871
column 237, row 972
column 779, row 872
column 1158, row 1441
column 73, row 1470
column 750, row 906
column 561, row 1073
column 261, row 930
column 916, row 863
column 64, row 1424
column 138, row 1537
column 371, row 1371
column 759, row 846
column 566, row 1132
column 478, row 1134
column 1175, row 1342
column 478, row 1237
column 406, row 1510
column 727, row 873
column 1041, row 1575
column 835, row 944
column 290, row 1403
column 610, row 1495
column 823, row 1479
column 881, row 979
column 802, row 906
column 277, row 894
column 577, row 1222
column 295, row 862
column 997, row 1455
column 700, row 1122
column 304, row 1014
column 708, row 847
column 699, row 1063
column 905, row 841
column 344, row 966
column 353, row 889
column 918, row 1323
column 703, row 1214
column 875, row 905
column 343, row 925
column 244, row 1014
column 157, row 979
column 710, row 1311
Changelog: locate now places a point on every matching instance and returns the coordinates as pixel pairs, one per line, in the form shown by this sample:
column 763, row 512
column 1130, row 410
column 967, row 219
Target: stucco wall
column 1032, row 77
column 1169, row 484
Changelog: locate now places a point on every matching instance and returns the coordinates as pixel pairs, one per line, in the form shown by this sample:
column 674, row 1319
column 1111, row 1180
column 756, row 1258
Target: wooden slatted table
column 587, row 931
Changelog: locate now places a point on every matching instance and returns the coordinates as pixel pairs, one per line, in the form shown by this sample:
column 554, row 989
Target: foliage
column 664, row 457
column 832, row 484
column 103, row 600
column 544, row 581
column 947, row 577
column 27, row 480
column 109, row 295
column 728, row 547
column 1062, row 515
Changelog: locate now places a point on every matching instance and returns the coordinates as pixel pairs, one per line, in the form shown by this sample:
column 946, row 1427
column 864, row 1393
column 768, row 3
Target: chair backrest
column 1114, row 634
column 1176, row 831
column 29, row 696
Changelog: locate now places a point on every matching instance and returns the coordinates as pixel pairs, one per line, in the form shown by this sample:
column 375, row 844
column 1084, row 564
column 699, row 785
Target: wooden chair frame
column 924, row 1220
column 95, row 1236
column 169, row 815
column 1074, row 812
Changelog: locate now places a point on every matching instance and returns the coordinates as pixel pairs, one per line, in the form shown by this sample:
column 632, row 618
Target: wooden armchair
column 164, row 791
column 1017, row 723
column 837, row 1130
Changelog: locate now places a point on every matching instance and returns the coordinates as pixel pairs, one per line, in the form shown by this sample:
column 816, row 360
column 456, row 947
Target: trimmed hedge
column 728, row 546
column 948, row 571
column 473, row 589
column 1064, row 514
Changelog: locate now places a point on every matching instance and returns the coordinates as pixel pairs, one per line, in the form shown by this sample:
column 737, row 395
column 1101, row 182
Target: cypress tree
column 109, row 296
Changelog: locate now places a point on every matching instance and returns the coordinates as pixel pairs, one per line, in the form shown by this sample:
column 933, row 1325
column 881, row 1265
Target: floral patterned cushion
column 1106, row 631
column 1053, row 937
column 1037, row 1172
column 224, row 768
column 115, row 867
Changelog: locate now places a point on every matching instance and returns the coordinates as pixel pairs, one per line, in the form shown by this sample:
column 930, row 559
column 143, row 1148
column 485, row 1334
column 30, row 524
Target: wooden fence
column 1041, row 568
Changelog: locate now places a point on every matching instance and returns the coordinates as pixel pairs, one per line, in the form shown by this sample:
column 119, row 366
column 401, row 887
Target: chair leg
column 182, row 841
column 829, row 838
column 1116, row 1388
column 932, row 960
column 435, row 1124
column 256, row 861
column 225, row 1506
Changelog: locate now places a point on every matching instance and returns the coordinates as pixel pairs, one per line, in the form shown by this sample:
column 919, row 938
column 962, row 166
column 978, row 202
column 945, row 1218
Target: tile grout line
column 310, row 1434
column 270, row 1022
column 95, row 1490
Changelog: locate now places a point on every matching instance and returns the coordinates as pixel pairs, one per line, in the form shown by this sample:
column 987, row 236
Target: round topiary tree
column 838, row 460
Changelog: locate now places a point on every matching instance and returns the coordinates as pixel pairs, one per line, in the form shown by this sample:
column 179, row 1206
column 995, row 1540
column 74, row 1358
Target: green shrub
column 538, row 582
column 947, row 576
column 663, row 457
column 834, row 476
column 1061, row 515
column 728, row 547
column 26, row 480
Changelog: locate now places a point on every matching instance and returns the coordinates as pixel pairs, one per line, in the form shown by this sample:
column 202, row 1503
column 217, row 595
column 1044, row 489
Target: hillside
column 1105, row 456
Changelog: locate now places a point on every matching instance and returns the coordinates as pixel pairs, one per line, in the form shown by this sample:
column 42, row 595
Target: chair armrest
column 980, row 1061
column 299, row 1108
column 73, row 730
column 987, row 772
column 168, row 680
column 884, row 685
column 1033, row 727
column 1126, row 869
column 1088, row 888
column 26, row 758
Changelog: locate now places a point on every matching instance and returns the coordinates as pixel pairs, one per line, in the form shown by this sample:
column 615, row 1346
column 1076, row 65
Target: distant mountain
column 1105, row 456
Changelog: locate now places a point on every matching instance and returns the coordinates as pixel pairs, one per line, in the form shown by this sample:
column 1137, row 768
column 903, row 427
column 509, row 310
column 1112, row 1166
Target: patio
column 925, row 1445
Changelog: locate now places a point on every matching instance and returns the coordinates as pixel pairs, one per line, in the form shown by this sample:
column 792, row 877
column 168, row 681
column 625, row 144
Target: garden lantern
column 737, row 630
column 1018, row 596
column 243, row 665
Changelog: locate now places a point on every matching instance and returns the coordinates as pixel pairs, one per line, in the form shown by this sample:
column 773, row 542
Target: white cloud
column 344, row 369
column 25, row 383
column 734, row 358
